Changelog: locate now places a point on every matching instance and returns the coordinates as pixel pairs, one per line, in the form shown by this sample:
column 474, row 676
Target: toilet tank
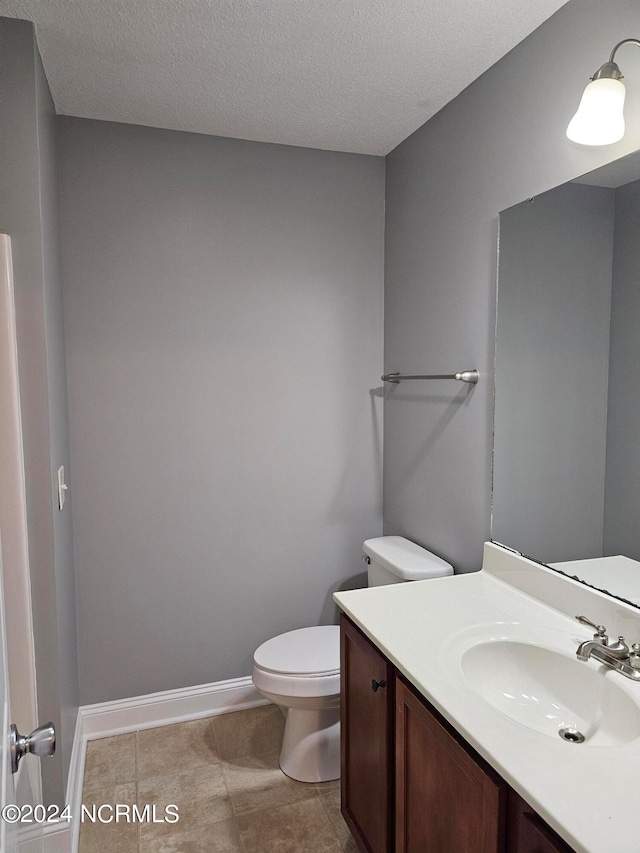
column 394, row 559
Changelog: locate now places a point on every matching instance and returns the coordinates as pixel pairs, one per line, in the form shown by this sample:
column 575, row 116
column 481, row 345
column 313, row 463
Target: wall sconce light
column 600, row 119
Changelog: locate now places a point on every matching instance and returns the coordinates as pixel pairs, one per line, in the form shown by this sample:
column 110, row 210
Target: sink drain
column 572, row 735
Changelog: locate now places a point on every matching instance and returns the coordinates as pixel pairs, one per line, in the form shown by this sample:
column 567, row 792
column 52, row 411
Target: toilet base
column 311, row 745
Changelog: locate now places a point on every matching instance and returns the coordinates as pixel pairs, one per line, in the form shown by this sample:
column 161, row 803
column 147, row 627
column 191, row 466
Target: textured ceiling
column 347, row 75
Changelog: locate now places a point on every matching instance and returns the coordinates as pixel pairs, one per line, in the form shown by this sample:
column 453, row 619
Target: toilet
column 300, row 670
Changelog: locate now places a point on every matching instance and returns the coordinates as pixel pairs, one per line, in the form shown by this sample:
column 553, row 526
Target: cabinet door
column 446, row 801
column 528, row 833
column 367, row 738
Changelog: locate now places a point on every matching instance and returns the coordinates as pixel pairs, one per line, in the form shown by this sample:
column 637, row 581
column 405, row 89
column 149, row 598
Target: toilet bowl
column 300, row 670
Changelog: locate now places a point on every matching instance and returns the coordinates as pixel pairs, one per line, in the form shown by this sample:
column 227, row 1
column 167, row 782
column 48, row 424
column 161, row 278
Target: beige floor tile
column 328, row 786
column 167, row 750
column 330, row 799
column 256, row 782
column 110, row 761
column 289, row 829
column 221, row 837
column 273, row 814
column 115, row 837
column 200, row 795
column 251, row 732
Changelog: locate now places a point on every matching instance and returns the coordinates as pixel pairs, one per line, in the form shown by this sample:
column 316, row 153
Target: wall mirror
column 566, row 468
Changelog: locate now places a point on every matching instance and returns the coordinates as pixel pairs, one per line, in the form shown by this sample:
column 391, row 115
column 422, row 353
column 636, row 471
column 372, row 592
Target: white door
column 8, row 829
column 17, row 656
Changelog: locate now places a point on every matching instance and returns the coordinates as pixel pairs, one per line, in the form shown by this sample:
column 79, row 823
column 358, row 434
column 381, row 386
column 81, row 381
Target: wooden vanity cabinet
column 410, row 783
column 446, row 800
column 366, row 732
column 527, row 832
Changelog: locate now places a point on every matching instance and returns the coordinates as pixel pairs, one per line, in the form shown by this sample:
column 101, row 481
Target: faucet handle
column 601, row 632
column 634, row 656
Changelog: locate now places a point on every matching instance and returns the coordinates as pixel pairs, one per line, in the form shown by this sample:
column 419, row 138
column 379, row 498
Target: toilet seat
column 304, row 652
column 305, row 662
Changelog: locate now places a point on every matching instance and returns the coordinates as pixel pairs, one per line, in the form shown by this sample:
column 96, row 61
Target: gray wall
column 552, row 371
column 623, row 458
column 501, row 141
column 224, row 318
column 28, row 212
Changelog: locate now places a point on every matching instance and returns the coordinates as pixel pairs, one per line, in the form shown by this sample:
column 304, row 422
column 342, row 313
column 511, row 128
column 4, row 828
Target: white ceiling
column 347, row 75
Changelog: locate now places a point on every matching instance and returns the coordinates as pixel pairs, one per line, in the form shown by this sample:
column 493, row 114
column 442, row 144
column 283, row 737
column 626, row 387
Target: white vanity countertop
column 586, row 793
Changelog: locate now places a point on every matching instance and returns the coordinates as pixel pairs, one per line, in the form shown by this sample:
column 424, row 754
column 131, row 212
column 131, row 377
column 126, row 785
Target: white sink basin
column 551, row 692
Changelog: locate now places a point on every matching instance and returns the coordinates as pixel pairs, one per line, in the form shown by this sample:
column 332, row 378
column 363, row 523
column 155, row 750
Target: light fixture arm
column 610, row 69
column 619, row 45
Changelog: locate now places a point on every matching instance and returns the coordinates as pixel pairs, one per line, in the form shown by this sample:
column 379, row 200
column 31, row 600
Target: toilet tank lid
column 405, row 559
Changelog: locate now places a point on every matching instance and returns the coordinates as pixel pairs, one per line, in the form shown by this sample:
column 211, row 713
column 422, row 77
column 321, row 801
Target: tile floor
column 223, row 774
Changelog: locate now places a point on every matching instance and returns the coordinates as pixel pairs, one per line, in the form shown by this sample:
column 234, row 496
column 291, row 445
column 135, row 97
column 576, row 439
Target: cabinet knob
column 375, row 685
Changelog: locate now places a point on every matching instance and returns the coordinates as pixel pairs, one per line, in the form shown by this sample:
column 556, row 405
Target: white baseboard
column 141, row 712
column 171, row 706
column 49, row 839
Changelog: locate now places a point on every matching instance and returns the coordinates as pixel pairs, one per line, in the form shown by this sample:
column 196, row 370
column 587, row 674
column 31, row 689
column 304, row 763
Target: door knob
column 375, row 685
column 40, row 742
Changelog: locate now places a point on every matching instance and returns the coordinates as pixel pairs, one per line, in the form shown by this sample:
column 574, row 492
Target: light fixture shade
column 599, row 120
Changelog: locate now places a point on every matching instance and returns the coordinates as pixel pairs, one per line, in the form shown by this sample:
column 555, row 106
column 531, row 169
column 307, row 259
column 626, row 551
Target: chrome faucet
column 616, row 655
